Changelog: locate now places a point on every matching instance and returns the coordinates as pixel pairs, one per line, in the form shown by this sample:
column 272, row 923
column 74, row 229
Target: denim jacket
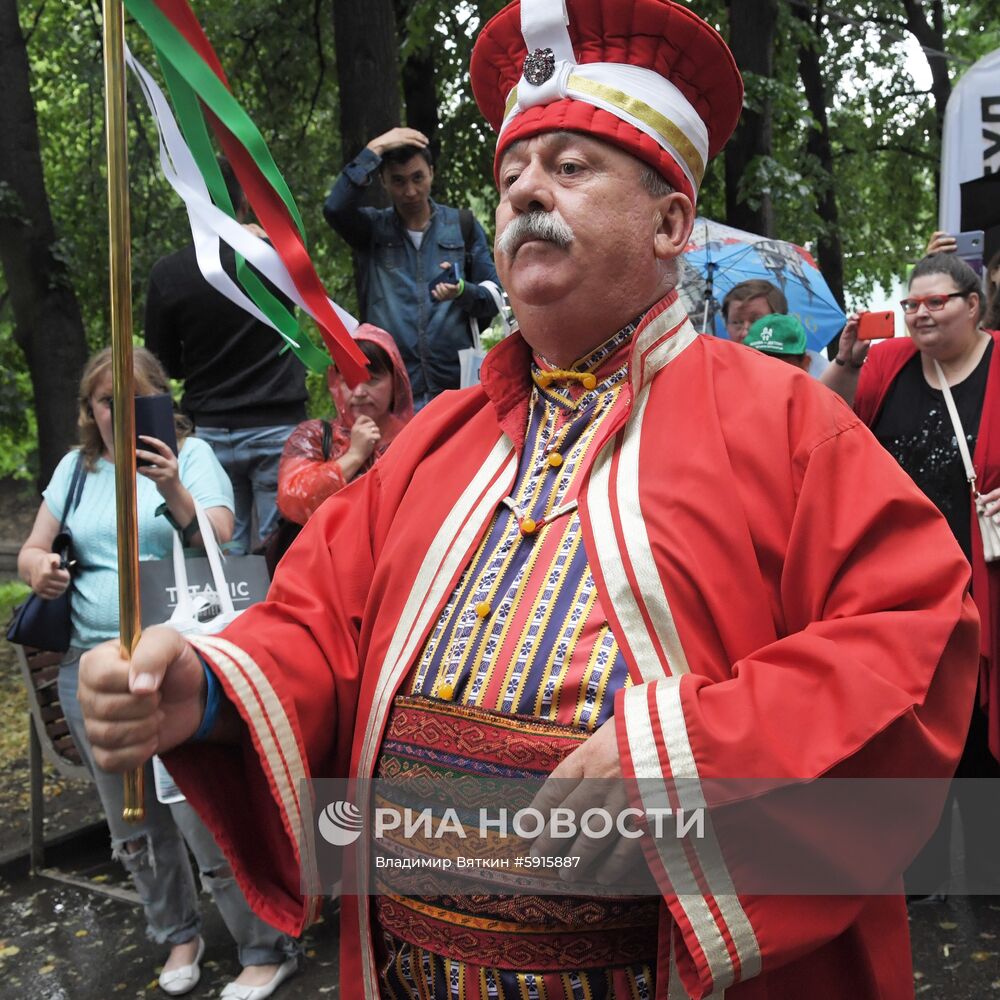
column 396, row 275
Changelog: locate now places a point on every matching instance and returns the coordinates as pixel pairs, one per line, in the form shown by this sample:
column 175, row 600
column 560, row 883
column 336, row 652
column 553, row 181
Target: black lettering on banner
column 991, row 113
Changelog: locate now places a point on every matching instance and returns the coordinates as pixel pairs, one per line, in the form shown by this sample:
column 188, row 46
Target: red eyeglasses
column 934, row 303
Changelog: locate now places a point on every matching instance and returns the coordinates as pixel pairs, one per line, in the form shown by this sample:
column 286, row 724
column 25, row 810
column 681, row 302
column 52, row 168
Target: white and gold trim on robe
column 649, row 637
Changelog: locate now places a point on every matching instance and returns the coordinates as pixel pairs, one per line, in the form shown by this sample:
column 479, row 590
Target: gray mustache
column 548, row 226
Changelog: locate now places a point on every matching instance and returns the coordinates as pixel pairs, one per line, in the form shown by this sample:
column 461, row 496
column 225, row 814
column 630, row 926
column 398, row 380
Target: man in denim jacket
column 401, row 249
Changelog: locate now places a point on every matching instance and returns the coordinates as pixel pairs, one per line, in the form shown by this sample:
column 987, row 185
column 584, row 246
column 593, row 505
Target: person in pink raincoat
column 368, row 418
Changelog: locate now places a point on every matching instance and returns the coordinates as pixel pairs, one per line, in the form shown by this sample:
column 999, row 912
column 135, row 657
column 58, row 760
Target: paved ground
column 956, row 948
column 59, row 942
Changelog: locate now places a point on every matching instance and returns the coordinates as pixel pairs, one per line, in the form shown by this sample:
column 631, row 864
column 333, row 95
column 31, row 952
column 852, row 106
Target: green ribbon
column 210, row 89
column 192, row 124
column 190, row 80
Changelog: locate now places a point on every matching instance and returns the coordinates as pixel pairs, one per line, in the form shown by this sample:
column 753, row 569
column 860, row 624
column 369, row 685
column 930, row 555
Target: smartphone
column 969, row 246
column 446, row 276
column 154, row 416
column 876, row 326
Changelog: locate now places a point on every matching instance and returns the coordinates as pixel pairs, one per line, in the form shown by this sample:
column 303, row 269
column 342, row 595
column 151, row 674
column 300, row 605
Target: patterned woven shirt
column 524, row 631
column 524, row 634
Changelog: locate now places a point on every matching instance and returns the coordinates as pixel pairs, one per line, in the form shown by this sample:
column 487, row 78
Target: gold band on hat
column 637, row 109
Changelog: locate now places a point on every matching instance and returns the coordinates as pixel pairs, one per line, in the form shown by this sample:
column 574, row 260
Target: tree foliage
column 882, row 127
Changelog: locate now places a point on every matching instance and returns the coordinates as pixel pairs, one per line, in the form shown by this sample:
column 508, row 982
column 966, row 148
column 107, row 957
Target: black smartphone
column 446, row 277
column 154, row 417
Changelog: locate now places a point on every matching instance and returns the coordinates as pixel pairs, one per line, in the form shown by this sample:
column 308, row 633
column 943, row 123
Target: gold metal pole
column 120, row 273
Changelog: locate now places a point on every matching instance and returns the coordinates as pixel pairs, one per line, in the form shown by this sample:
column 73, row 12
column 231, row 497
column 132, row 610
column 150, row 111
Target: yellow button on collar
column 555, row 460
column 528, row 526
column 589, row 381
column 447, row 691
column 483, row 608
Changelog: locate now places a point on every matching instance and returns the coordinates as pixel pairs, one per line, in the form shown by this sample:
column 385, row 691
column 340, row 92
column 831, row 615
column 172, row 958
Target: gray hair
column 654, row 183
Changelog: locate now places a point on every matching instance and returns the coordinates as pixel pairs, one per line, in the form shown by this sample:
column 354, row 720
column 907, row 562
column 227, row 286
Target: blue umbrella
column 719, row 257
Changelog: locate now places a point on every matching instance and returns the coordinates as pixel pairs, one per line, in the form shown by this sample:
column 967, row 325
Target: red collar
column 506, row 374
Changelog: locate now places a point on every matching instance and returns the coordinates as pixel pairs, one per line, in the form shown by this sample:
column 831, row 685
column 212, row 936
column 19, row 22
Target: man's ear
column 676, row 215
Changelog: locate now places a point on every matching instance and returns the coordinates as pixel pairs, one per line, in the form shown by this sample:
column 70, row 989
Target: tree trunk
column 419, row 83
column 830, row 251
column 368, row 78
column 47, row 323
column 930, row 34
column 368, row 75
column 752, row 25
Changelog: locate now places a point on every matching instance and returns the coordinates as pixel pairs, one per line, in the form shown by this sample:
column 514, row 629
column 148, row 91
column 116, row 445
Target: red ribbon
column 271, row 210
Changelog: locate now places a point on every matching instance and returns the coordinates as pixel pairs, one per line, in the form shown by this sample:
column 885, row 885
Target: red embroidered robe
column 789, row 604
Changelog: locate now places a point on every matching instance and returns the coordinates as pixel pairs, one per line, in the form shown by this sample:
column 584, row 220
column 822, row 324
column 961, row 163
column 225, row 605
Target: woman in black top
column 900, row 399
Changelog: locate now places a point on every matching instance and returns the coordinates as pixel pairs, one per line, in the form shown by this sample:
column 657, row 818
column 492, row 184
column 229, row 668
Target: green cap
column 777, row 334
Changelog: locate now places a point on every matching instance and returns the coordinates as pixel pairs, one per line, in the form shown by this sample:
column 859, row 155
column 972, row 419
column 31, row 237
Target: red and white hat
column 648, row 76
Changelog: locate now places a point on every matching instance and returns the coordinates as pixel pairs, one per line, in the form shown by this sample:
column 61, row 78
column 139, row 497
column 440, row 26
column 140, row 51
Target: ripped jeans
column 158, row 861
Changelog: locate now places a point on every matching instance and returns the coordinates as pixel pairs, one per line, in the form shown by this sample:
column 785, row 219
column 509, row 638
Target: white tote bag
column 210, row 612
column 988, row 530
column 471, row 358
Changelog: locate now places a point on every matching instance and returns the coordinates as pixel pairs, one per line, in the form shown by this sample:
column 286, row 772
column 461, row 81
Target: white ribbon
column 209, row 223
column 543, row 25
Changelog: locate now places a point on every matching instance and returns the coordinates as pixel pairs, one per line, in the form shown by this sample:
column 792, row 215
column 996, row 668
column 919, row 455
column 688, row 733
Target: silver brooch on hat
column 539, row 66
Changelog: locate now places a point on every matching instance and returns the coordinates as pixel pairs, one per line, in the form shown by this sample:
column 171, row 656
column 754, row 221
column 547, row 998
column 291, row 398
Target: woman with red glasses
column 899, row 398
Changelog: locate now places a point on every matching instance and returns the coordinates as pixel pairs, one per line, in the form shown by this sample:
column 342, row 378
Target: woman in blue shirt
column 154, row 851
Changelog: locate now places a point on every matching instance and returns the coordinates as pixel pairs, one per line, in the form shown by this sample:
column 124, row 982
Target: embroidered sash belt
column 436, row 754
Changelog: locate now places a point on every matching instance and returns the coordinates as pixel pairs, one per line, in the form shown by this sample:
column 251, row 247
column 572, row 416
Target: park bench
column 49, row 740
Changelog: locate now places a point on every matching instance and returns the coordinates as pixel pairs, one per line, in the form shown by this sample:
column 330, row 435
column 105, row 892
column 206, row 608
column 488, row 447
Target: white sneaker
column 236, row 991
column 184, row 979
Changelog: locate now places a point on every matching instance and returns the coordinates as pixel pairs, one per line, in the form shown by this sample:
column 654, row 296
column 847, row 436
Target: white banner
column 970, row 148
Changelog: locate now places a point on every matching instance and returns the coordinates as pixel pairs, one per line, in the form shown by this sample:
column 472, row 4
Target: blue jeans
column 250, row 456
column 159, row 865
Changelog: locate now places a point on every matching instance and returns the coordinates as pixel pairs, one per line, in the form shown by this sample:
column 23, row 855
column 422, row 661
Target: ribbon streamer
column 209, row 224
column 196, row 81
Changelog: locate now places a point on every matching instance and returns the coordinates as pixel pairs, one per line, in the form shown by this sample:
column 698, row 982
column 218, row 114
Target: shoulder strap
column 327, row 439
column 467, row 223
column 956, row 423
column 75, row 490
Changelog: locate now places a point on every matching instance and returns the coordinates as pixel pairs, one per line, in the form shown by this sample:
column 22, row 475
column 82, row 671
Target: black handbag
column 45, row 624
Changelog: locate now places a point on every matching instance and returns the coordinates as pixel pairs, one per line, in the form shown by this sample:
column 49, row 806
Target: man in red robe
column 755, row 589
